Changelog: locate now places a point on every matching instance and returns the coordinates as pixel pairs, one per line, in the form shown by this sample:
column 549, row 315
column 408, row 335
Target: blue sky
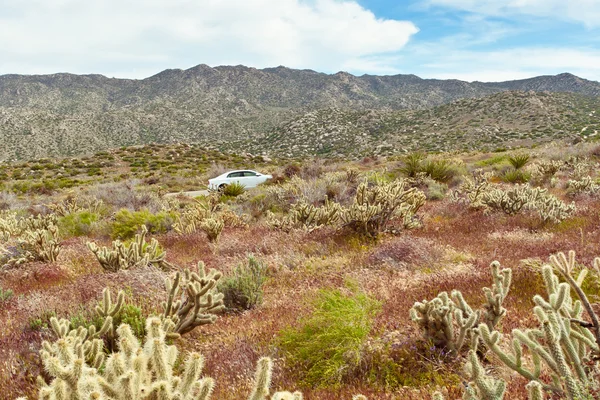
column 486, row 40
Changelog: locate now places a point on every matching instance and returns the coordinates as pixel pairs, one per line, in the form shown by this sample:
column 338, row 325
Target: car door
column 235, row 177
column 251, row 178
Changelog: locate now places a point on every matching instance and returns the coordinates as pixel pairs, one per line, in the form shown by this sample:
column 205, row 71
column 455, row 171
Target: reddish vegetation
column 452, row 250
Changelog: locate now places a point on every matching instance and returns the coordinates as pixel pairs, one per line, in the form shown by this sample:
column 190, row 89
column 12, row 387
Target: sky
column 484, row 40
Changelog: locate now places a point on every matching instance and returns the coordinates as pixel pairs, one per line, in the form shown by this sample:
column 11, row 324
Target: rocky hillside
column 66, row 114
column 505, row 119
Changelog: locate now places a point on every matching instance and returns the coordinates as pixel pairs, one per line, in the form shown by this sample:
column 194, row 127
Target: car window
column 235, row 175
column 249, row 173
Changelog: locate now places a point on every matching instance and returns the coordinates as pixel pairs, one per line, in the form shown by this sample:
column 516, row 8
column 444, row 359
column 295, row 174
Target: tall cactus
column 564, row 343
column 193, row 300
column 449, row 322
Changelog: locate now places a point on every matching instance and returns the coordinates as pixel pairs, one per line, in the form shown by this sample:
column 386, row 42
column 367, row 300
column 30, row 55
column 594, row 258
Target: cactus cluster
column 193, row 300
column 375, row 205
column 138, row 253
column 584, row 185
column 136, row 371
column 472, row 190
column 74, row 204
column 13, row 226
column 208, row 217
column 42, row 244
column 449, row 322
column 306, row 216
column 564, row 344
column 525, row 197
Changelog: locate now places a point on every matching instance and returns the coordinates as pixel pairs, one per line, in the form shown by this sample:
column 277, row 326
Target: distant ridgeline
column 286, row 112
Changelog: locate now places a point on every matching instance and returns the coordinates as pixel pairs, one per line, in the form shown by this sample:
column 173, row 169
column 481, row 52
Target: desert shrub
column 327, row 344
column 440, row 170
column 129, row 314
column 127, row 223
column 234, row 189
column 412, row 164
column 515, row 176
column 518, row 161
column 243, row 289
column 127, row 195
column 5, row 295
column 77, row 224
column 291, row 170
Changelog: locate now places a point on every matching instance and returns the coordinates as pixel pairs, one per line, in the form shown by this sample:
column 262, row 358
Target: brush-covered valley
column 445, row 275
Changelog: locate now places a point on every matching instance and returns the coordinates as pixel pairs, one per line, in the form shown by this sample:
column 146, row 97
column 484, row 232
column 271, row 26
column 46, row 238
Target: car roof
column 238, row 170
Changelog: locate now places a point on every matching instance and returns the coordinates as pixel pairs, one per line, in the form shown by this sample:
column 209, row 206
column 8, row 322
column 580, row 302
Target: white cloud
column 127, row 37
column 582, row 11
column 516, row 63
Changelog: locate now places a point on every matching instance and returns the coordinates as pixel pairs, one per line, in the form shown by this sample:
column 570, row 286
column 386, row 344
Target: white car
column 245, row 177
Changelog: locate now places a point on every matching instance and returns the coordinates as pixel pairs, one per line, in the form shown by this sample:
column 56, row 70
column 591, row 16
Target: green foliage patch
column 327, row 344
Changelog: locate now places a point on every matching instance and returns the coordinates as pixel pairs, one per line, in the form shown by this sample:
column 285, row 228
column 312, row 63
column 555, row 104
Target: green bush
column 515, row 176
column 327, row 344
column 5, row 295
column 243, row 290
column 440, row 170
column 234, row 189
column 130, row 314
column 127, row 223
column 518, row 161
column 77, row 224
column 412, row 164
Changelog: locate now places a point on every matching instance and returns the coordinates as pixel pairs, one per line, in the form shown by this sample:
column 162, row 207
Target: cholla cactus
column 472, row 190
column 136, row 372
column 482, row 386
column 511, row 201
column 193, row 300
column 374, row 206
column 306, row 216
column 213, row 228
column 521, row 197
column 449, row 322
column 494, row 297
column 138, row 253
column 584, row 185
column 74, row 204
column 564, row 343
column 13, row 226
column 190, row 219
column 43, row 244
column 444, row 322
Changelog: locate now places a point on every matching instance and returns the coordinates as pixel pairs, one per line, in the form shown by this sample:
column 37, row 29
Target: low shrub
column 5, row 295
column 234, row 189
column 243, row 290
column 440, row 170
column 127, row 223
column 77, row 224
column 327, row 344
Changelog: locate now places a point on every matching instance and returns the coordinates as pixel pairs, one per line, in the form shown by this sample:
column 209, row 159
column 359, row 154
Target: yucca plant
column 518, row 161
column 234, row 189
column 412, row 164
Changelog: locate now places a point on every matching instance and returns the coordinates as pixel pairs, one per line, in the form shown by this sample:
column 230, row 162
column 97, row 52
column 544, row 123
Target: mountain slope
column 66, row 114
column 505, row 119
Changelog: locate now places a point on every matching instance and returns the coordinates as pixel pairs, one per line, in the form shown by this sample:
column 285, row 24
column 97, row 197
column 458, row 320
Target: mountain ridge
column 69, row 114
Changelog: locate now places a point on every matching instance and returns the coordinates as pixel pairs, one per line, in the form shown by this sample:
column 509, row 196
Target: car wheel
column 222, row 187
